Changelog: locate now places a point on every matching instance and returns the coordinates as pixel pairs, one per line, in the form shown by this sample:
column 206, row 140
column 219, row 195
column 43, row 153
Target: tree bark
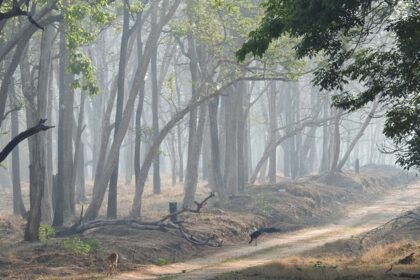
column 139, row 111
column 325, row 159
column 155, row 105
column 191, row 177
column 215, row 148
column 241, row 134
column 231, row 152
column 37, row 165
column 179, row 131
column 78, row 145
column 18, row 205
column 272, row 169
column 337, row 142
column 112, row 193
column 64, row 202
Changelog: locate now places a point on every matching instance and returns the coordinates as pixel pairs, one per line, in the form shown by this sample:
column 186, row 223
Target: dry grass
column 370, row 265
column 304, row 202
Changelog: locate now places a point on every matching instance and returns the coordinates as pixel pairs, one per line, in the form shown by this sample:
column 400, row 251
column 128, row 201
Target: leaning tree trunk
column 37, row 167
column 154, row 148
column 99, row 187
column 7, row 77
column 359, row 134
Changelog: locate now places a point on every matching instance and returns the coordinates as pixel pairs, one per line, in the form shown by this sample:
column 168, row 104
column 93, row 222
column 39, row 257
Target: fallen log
column 162, row 225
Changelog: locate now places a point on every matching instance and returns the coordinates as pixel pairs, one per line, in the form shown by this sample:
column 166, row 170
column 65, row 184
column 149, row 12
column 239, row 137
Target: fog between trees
column 140, row 90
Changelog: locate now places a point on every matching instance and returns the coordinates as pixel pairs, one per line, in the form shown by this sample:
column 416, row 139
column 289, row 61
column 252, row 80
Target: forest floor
column 339, row 249
column 310, row 201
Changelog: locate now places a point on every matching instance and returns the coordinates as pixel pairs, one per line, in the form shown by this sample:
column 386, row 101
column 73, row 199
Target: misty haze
column 209, row 139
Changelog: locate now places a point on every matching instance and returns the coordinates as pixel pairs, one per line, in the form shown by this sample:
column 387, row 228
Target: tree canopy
column 375, row 43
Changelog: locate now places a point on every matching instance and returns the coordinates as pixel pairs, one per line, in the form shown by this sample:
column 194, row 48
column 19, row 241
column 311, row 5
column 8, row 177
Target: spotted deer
column 112, row 262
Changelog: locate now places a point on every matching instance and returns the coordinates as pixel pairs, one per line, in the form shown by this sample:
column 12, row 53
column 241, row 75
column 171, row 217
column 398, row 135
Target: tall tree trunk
column 231, row 153
column 272, row 169
column 80, row 194
column 191, row 178
column 65, row 137
column 129, row 150
column 287, row 146
column 241, row 134
column 78, row 144
column 337, row 141
column 139, row 111
column 112, row 193
column 37, row 165
column 155, row 106
column 47, row 199
column 215, row 148
column 18, row 205
column 205, row 156
column 326, row 157
column 309, row 145
column 179, row 131
column 247, row 141
column 194, row 136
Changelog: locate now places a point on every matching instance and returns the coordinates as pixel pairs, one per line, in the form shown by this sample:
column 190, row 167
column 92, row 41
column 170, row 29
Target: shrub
column 77, row 246
column 45, row 233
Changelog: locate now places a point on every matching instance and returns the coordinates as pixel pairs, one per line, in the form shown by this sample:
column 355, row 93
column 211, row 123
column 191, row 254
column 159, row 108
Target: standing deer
column 112, row 262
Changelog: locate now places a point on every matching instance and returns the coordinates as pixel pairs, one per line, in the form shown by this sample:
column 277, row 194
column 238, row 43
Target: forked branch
column 197, row 210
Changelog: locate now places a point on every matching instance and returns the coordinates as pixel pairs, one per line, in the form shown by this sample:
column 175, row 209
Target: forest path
column 234, row 258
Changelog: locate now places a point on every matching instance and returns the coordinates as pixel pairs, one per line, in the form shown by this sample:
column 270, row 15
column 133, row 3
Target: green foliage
column 83, row 21
column 162, row 261
column 374, row 43
column 77, row 246
column 136, row 6
column 84, row 246
column 45, row 233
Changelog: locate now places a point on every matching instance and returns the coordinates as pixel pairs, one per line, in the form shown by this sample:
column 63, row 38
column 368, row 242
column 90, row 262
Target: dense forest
column 157, row 93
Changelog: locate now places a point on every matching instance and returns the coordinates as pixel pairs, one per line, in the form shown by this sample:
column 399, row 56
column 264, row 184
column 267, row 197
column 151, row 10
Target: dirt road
column 358, row 220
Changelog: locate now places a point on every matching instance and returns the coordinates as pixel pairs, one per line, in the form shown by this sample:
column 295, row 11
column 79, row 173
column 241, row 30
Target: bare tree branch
column 22, row 136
